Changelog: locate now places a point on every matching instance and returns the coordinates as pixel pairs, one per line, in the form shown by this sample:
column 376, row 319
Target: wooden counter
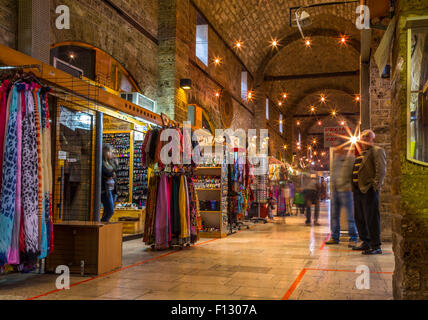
column 99, row 245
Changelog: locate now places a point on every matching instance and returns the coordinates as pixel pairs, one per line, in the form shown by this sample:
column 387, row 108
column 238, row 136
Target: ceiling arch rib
column 294, row 102
column 295, row 37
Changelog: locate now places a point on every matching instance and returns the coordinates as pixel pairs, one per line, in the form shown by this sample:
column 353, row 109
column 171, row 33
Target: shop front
column 76, row 120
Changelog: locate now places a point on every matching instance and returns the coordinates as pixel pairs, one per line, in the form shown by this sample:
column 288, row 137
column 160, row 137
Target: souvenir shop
column 53, row 129
column 282, row 191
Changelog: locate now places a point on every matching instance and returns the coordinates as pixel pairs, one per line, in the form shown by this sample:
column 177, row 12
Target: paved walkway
column 280, row 260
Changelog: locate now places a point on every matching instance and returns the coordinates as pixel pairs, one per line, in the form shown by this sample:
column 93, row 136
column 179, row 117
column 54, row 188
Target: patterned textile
column 8, row 195
column 42, row 178
column 13, row 255
column 30, row 181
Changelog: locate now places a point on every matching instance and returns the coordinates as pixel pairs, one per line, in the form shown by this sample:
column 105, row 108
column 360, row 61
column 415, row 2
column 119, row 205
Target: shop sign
column 62, row 155
column 334, row 136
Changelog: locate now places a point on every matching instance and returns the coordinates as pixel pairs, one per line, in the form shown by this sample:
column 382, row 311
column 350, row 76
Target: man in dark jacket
column 368, row 176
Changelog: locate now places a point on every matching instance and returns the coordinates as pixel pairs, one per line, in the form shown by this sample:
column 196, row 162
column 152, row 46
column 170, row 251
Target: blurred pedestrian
column 341, row 184
column 311, row 193
column 323, row 189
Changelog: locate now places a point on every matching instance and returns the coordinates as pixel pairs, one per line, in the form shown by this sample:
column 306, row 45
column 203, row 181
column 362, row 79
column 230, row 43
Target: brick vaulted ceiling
column 257, row 22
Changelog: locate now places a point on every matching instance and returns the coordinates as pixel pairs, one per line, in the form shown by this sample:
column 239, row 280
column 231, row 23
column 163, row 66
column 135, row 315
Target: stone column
column 380, row 118
column 173, row 57
column 409, row 180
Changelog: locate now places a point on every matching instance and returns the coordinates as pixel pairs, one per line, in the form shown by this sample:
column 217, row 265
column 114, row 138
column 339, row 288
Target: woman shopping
column 108, row 182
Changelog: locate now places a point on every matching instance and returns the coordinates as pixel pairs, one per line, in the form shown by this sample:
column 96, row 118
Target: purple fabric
column 3, row 116
column 186, row 188
column 13, row 256
column 162, row 208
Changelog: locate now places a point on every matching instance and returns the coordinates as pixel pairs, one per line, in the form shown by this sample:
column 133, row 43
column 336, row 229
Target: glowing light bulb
column 357, row 98
column 217, row 94
column 238, row 44
column 342, row 123
column 298, row 123
column 322, row 98
column 284, row 96
column 320, row 123
column 307, row 42
column 285, row 147
column 280, row 103
column 353, row 140
column 313, row 109
column 274, row 43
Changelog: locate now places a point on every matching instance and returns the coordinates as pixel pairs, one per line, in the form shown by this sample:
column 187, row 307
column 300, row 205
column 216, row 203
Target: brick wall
column 8, row 22
column 207, row 80
column 95, row 23
column 380, row 118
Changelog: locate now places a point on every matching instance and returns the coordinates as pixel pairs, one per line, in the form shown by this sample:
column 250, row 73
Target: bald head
column 368, row 137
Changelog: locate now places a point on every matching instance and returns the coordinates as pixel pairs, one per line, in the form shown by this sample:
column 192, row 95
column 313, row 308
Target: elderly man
column 368, row 176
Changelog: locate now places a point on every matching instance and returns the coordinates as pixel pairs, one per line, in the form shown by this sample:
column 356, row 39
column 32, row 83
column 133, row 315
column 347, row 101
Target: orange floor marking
column 303, row 272
column 294, row 285
column 118, row 270
column 326, row 239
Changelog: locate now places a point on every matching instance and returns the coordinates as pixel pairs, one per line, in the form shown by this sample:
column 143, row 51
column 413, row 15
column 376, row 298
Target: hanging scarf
column 162, row 208
column 3, row 119
column 30, row 181
column 13, row 255
column 8, row 195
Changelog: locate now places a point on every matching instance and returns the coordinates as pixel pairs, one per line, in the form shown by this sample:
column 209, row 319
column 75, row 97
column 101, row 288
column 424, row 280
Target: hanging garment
column 162, row 208
column 149, row 225
column 47, row 169
column 183, row 209
column 186, row 190
column 8, row 194
column 40, row 147
column 175, row 211
column 30, row 181
column 146, row 142
column 13, row 255
column 170, row 209
column 3, row 120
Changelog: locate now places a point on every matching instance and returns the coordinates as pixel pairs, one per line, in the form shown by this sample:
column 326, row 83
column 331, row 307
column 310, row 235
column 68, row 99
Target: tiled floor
column 280, row 260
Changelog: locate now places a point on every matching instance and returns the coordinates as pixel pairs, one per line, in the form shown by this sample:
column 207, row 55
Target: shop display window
column 417, row 149
column 75, row 151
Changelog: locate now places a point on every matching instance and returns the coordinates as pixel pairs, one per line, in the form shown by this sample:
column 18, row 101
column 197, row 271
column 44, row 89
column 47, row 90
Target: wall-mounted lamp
column 186, row 84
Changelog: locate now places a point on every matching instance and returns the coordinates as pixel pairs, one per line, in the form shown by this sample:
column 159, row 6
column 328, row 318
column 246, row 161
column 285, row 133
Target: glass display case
column 417, row 90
